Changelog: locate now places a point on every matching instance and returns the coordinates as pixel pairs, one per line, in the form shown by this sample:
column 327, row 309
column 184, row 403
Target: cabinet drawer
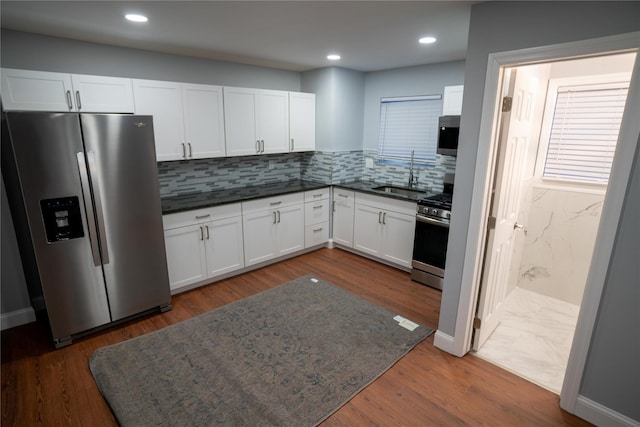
column 198, row 216
column 342, row 196
column 274, row 202
column 386, row 203
column 316, row 212
column 316, row 234
column 315, row 195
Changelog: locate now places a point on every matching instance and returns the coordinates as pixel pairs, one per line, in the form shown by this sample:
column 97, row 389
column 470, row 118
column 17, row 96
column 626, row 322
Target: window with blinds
column 409, row 124
column 584, row 132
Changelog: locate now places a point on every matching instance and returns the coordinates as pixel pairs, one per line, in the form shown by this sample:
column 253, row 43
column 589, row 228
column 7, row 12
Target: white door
column 203, row 121
column 290, row 224
column 223, row 242
column 398, row 231
column 186, row 259
column 163, row 100
column 240, row 121
column 367, row 229
column 273, row 121
column 343, row 217
column 302, row 121
column 259, row 236
column 515, row 136
column 36, row 91
column 99, row 94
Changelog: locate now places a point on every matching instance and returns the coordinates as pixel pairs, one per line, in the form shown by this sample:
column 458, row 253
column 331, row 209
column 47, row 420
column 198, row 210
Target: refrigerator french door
column 84, row 194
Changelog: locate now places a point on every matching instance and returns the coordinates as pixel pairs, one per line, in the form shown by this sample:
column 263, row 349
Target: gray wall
column 611, row 375
column 410, row 81
column 506, row 26
column 339, row 107
column 34, row 52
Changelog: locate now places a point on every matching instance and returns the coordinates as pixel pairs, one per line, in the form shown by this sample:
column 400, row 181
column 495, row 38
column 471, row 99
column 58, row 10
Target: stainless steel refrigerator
column 84, row 196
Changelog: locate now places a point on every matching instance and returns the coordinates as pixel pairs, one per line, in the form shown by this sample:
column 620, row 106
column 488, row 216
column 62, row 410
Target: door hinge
column 506, row 104
column 476, row 323
column 491, row 223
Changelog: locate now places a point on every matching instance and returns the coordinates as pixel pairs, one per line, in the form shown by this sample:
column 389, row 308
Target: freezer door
column 45, row 147
column 123, row 171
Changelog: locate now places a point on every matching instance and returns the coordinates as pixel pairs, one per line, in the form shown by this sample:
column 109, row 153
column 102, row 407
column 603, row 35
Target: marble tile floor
column 534, row 338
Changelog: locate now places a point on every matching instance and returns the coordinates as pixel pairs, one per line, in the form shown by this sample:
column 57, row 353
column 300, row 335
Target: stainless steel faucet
column 412, row 180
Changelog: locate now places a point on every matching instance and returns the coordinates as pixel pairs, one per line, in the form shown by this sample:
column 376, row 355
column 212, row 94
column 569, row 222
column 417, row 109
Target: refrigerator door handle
column 86, row 196
column 97, row 200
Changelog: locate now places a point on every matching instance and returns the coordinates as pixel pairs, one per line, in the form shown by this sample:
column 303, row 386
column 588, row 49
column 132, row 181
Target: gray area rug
column 288, row 356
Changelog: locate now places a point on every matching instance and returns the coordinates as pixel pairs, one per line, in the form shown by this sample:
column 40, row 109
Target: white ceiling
column 291, row 35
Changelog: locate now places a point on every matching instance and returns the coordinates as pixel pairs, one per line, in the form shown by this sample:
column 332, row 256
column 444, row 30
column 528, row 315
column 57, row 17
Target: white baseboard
column 600, row 415
column 17, row 318
column 443, row 342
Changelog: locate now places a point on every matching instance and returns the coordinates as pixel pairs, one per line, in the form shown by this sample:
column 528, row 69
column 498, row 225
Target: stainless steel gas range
column 431, row 236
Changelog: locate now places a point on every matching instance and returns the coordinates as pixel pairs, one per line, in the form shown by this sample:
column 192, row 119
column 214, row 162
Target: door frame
column 484, row 168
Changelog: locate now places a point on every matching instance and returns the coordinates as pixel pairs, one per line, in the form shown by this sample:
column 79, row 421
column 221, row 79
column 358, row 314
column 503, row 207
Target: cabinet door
column 290, row 229
column 259, row 236
column 203, row 121
column 273, row 121
column 240, row 121
column 186, row 259
column 98, row 94
column 343, row 218
column 367, row 229
column 224, row 248
column 163, row 101
column 398, row 232
column 36, row 91
column 302, row 121
column 452, row 100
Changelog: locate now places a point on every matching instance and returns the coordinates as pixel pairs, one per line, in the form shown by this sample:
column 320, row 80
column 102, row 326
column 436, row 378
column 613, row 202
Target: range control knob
column 434, row 211
column 448, row 215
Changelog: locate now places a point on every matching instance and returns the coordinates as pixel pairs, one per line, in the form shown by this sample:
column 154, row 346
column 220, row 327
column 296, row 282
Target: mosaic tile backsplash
column 196, row 176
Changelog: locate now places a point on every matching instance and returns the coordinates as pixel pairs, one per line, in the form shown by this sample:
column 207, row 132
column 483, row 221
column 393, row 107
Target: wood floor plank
column 428, row 387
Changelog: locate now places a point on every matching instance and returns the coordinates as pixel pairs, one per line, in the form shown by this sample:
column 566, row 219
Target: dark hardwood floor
column 428, row 387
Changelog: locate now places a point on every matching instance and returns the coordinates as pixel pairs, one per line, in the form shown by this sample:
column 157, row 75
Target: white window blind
column 409, row 124
column 584, row 132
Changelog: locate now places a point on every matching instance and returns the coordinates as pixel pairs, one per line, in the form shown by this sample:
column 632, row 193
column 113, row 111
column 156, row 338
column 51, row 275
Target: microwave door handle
column 90, row 216
column 102, row 236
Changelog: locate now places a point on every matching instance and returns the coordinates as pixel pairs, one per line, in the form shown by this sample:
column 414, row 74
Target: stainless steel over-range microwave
column 449, row 129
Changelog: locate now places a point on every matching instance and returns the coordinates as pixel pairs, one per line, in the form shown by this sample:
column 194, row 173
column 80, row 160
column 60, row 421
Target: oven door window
column 430, row 244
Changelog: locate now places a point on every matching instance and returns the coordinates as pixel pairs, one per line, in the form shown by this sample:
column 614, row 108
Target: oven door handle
column 428, row 220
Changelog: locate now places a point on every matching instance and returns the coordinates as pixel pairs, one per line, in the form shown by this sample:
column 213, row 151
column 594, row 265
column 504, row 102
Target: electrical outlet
column 272, row 164
column 368, row 162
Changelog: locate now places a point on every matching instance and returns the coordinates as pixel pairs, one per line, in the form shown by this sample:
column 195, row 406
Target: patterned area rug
column 289, row 356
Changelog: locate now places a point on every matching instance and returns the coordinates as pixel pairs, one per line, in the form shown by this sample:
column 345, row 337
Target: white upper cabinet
column 256, row 121
column 452, row 100
column 61, row 92
column 203, row 120
column 163, row 101
column 187, row 118
column 302, row 121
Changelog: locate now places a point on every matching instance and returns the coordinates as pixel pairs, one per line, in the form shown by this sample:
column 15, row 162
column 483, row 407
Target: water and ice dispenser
column 62, row 218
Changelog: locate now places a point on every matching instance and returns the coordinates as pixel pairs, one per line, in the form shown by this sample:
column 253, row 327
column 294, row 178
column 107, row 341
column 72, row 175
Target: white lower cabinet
column 316, row 217
column 384, row 228
column 203, row 244
column 343, row 206
column 273, row 227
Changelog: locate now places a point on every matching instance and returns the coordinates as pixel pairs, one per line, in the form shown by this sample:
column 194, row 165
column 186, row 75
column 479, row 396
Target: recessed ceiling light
column 333, row 57
column 133, row 17
column 427, row 40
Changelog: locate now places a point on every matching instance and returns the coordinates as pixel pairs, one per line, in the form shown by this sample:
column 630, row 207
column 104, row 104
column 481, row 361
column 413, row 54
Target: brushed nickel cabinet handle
column 190, row 151
column 184, row 151
column 207, row 227
column 78, row 100
column 69, row 100
column 203, row 216
column 201, row 234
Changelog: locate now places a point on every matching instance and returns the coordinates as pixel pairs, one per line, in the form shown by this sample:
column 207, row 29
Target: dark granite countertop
column 369, row 187
column 186, row 202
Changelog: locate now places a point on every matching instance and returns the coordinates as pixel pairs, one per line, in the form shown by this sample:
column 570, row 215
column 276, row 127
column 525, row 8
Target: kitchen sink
column 399, row 190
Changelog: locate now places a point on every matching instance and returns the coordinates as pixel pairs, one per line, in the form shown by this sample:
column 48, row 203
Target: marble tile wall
column 561, row 232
